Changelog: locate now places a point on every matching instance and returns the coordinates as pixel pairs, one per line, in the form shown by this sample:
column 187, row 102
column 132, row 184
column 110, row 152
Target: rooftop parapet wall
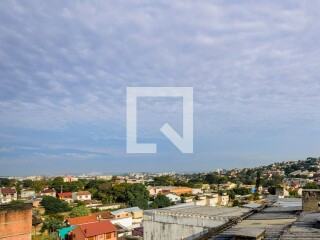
column 311, row 200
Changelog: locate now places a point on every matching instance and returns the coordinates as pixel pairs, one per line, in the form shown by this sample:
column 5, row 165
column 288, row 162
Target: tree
column 79, row 211
column 138, row 195
column 57, row 183
column 17, row 202
column 52, row 223
column 54, row 205
column 293, row 194
column 27, row 183
column 236, row 203
column 161, row 201
column 5, row 182
column 311, row 185
column 242, row 191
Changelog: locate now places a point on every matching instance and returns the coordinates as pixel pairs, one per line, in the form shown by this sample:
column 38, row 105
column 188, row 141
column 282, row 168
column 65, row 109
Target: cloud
column 254, row 67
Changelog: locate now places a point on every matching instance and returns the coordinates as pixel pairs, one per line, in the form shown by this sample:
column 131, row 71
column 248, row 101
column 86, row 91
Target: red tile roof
column 8, row 190
column 94, row 229
column 82, row 220
column 65, row 195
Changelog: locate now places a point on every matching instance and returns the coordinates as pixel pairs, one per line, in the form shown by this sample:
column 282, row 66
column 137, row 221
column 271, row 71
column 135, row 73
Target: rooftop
column 12, row 208
column 220, row 213
column 272, row 219
column 97, row 228
column 82, row 220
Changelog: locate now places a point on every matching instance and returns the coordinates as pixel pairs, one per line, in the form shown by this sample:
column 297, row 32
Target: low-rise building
column 153, row 191
column 7, row 194
column 173, row 197
column 15, row 222
column 47, row 192
column 188, row 222
column 70, row 179
column 27, row 194
column 103, row 230
column 196, row 191
column 81, row 196
column 223, row 199
column 81, row 220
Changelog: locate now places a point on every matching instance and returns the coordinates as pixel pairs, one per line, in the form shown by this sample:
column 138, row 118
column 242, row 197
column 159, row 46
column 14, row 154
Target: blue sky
column 65, row 67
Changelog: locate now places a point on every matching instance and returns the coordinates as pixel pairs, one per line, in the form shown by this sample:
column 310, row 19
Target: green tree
column 52, row 223
column 236, row 203
column 17, row 202
column 79, row 211
column 54, row 205
column 5, row 182
column 138, row 195
column 293, row 194
column 27, row 183
column 57, row 184
column 161, row 201
column 311, row 185
column 242, row 191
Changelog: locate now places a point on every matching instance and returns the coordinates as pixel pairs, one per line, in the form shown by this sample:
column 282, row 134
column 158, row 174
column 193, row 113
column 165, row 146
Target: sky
column 65, row 67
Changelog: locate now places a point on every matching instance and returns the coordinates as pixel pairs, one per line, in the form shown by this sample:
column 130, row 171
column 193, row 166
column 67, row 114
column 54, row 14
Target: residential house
column 47, row 192
column 75, row 221
column 196, row 191
column 223, row 199
column 126, row 215
column 153, row 191
column 27, row 194
column 65, row 196
column 173, row 197
column 81, row 196
column 176, row 190
column 282, row 192
column 136, row 212
column 103, row 230
column 7, row 194
column 205, row 187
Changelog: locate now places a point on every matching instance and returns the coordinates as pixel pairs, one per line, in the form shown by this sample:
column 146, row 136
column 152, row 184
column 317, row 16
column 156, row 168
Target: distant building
column 65, row 196
column 196, row 191
column 176, row 190
column 173, row 197
column 153, row 191
column 70, row 179
column 282, row 192
column 103, row 230
column 295, row 182
column 15, row 222
column 81, row 196
column 223, row 199
column 47, row 192
column 7, row 194
column 27, row 194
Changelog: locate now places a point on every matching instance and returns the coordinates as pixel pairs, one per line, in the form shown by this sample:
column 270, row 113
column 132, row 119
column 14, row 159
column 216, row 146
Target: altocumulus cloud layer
column 65, row 66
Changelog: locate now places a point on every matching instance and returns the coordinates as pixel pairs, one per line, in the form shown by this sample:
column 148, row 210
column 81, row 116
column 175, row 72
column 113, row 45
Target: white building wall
column 126, row 222
column 176, row 227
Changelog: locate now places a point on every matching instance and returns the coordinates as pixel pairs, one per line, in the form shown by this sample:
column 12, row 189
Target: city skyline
column 65, row 68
